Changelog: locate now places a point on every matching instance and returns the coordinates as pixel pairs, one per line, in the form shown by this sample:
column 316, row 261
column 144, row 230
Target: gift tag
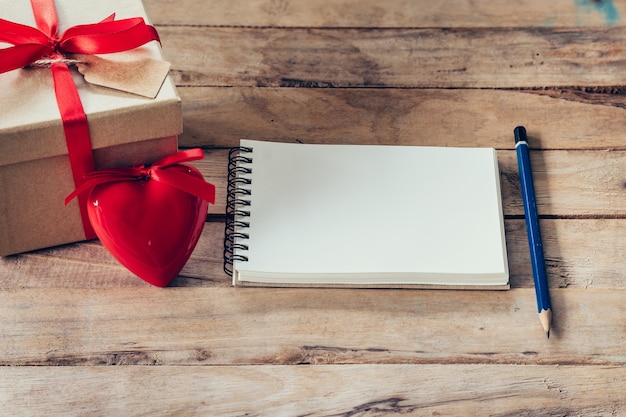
column 143, row 77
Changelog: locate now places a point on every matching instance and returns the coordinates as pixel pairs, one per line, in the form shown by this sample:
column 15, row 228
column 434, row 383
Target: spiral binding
column 237, row 205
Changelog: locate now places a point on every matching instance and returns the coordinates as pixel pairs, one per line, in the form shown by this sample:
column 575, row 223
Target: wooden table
column 80, row 335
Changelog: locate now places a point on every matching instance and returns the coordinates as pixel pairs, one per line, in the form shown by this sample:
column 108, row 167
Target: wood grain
column 391, row 13
column 580, row 253
column 90, row 265
column 235, row 326
column 333, row 390
column 400, row 58
column 215, row 116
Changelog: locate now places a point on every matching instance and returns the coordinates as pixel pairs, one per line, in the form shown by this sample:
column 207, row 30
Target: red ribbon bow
column 158, row 172
column 31, row 44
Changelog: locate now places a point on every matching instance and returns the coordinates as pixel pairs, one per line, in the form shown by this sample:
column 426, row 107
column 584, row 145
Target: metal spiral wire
column 237, row 207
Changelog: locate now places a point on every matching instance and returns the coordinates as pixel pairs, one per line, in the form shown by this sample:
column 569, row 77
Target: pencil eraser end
column 520, row 134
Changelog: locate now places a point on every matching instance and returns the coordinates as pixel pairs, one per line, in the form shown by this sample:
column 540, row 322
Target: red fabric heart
column 150, row 218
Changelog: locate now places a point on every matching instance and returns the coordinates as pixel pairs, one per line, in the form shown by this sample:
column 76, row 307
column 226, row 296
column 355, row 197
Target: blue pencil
column 532, row 227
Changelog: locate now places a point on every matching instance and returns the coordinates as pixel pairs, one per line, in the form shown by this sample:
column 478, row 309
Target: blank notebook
column 364, row 216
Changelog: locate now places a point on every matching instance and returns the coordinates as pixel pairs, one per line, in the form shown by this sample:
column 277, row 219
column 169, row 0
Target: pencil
column 540, row 277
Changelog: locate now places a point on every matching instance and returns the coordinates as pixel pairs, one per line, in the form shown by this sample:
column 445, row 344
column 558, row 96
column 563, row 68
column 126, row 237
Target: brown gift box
column 35, row 173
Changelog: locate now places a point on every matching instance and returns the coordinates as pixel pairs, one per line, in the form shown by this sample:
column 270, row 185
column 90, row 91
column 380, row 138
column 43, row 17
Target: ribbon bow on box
column 150, row 256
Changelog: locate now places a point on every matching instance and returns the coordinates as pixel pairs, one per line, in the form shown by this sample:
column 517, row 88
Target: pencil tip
column 545, row 316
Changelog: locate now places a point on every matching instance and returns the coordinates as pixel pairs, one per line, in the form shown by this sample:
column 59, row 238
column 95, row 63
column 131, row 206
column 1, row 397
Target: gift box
column 125, row 129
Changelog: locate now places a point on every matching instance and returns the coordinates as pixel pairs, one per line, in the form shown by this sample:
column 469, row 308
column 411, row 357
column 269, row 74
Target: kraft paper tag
column 143, row 77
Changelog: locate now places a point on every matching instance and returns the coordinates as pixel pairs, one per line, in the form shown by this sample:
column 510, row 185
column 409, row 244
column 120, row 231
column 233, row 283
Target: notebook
column 364, row 216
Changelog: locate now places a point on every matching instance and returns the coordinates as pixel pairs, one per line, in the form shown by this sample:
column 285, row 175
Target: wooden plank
column 402, row 58
column 569, row 183
column 90, row 265
column 393, row 13
column 414, row 390
column 228, row 326
column 568, row 119
column 580, row 253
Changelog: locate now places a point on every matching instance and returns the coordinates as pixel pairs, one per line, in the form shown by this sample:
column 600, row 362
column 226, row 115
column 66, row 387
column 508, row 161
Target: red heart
column 149, row 226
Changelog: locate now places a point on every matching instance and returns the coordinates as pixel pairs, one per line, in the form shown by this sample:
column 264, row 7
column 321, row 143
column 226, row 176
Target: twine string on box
column 48, row 62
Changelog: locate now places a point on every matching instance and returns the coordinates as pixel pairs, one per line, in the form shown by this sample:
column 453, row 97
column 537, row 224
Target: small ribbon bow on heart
column 158, row 172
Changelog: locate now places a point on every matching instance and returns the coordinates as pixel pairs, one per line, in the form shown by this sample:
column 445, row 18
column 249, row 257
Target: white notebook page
column 374, row 214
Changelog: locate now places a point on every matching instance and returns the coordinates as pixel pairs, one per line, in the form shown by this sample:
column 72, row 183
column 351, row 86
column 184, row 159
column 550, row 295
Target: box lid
column 31, row 127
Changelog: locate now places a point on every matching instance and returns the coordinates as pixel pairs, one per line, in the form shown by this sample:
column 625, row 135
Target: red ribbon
column 31, row 44
column 158, row 172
